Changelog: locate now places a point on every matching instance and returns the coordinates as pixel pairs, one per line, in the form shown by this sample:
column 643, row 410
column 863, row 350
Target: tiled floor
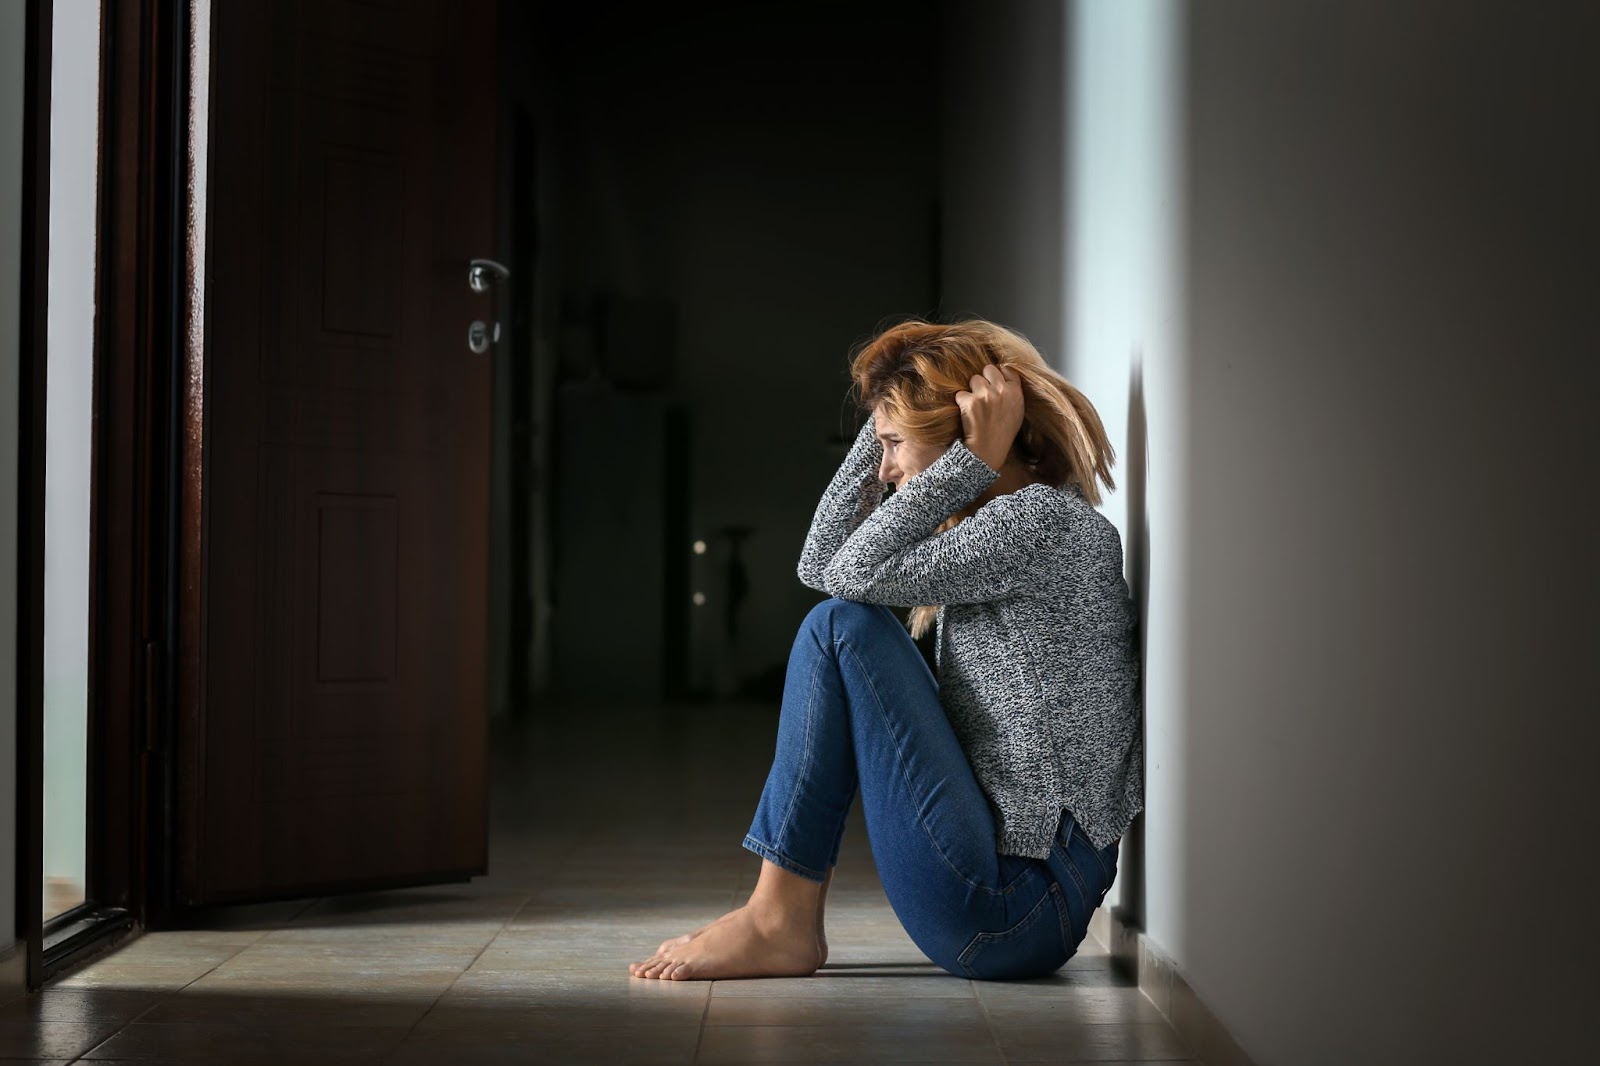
column 612, row 830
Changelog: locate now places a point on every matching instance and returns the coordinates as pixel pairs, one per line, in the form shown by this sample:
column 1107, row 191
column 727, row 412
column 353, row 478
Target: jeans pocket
column 1034, row 947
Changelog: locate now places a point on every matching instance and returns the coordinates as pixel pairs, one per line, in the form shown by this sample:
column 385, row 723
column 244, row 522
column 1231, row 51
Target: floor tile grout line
column 130, row 942
column 711, row 986
column 988, row 1024
column 162, row 993
column 446, row 990
column 705, row 1015
column 80, row 1056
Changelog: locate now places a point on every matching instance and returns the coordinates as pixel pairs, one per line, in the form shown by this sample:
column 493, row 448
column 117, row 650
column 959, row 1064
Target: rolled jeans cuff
column 777, row 858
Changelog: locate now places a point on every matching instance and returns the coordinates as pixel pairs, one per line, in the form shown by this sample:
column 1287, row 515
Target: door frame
column 139, row 355
column 32, row 362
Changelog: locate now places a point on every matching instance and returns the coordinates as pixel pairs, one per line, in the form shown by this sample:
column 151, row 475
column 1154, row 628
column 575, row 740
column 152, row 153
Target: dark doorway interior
column 735, row 197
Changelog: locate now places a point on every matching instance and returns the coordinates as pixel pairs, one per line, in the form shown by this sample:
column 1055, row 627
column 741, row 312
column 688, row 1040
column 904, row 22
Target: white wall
column 1060, row 211
column 1125, row 351
column 12, row 53
column 1391, row 277
column 1329, row 277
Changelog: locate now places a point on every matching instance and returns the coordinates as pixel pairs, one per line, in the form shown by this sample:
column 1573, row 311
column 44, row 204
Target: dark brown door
column 332, row 733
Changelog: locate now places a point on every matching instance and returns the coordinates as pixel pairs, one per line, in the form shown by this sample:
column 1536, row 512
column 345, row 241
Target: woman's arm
column 852, row 495
column 894, row 557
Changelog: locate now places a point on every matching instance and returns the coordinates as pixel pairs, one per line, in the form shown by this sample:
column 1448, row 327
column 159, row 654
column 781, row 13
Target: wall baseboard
column 13, row 968
column 1165, row 987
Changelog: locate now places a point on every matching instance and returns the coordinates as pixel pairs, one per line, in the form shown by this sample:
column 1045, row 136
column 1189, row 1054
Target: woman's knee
column 833, row 618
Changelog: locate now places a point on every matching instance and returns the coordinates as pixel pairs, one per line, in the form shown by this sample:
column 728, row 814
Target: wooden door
column 334, row 737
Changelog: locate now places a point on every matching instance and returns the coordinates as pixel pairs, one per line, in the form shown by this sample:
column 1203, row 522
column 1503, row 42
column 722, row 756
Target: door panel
column 338, row 738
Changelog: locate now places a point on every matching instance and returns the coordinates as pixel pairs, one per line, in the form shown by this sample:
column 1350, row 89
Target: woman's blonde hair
column 913, row 371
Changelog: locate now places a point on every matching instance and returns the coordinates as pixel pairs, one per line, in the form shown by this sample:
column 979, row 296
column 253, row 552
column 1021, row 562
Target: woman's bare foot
column 685, row 938
column 777, row 934
column 753, row 941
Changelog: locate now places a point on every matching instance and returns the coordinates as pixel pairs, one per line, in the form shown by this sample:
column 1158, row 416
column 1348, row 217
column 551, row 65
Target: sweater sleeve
column 895, row 557
column 852, row 495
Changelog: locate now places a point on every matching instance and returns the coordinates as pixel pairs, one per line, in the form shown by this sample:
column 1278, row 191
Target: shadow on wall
column 1135, row 466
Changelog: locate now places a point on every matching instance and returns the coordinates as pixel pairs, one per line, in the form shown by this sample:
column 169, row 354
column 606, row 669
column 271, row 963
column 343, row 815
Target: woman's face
column 903, row 458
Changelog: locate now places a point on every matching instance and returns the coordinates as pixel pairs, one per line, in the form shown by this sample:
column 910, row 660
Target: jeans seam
column 1077, row 882
column 805, row 760
column 1064, row 919
column 1011, row 885
column 904, row 774
column 838, row 829
column 1105, row 869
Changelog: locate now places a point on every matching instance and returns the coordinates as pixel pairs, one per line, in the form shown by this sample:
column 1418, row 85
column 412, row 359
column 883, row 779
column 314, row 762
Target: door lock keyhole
column 481, row 334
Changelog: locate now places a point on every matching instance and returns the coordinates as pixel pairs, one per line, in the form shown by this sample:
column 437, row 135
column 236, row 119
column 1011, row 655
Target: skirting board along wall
column 1164, row 986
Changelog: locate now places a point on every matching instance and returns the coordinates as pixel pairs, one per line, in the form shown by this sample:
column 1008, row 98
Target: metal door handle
column 483, row 273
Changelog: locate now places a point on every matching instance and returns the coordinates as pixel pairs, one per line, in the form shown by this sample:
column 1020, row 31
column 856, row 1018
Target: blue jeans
column 861, row 707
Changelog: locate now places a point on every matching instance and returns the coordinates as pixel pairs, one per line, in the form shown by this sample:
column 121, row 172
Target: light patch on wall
column 1123, row 312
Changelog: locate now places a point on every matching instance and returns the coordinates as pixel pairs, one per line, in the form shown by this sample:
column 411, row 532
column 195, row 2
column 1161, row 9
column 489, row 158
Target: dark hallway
column 721, row 206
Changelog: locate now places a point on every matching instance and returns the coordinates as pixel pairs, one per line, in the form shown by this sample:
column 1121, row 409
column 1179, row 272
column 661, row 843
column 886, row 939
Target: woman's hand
column 991, row 414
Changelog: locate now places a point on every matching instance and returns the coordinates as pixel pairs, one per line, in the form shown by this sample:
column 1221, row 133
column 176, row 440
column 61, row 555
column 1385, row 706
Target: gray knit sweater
column 1037, row 664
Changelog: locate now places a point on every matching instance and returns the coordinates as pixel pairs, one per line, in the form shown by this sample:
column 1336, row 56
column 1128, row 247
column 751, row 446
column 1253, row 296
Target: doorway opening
column 74, row 172
column 102, row 151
